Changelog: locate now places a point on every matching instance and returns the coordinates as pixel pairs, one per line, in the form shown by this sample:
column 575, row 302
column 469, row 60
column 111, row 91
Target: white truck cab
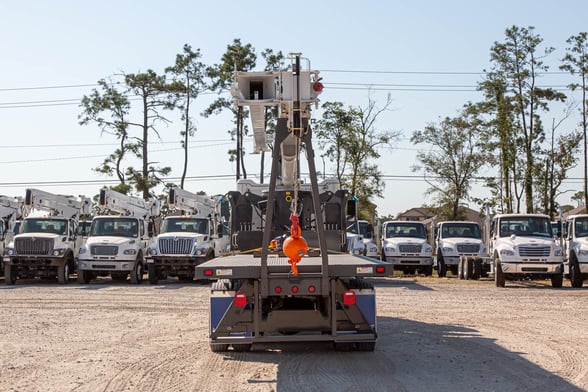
column 523, row 247
column 360, row 233
column 404, row 244
column 454, row 240
column 576, row 249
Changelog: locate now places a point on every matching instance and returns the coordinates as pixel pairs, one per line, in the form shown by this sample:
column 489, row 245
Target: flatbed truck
column 264, row 296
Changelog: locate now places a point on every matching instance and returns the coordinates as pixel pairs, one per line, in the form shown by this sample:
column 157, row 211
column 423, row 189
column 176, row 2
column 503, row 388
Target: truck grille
column 33, row 246
column 175, row 246
column 409, row 248
column 104, row 250
column 468, row 248
column 534, row 251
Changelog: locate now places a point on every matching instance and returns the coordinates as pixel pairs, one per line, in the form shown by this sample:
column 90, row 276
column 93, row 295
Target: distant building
column 416, row 214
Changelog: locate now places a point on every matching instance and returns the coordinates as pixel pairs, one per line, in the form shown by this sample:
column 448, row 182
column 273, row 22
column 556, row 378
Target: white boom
column 111, row 200
column 191, row 203
column 11, row 209
column 57, row 205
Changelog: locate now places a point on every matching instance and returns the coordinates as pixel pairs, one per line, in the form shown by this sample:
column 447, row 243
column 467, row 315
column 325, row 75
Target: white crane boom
column 57, row 205
column 11, row 209
column 191, row 203
column 111, row 200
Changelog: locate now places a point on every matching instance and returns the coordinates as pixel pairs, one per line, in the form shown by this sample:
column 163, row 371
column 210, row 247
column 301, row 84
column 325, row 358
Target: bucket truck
column 118, row 237
column 46, row 245
column 286, row 284
column 196, row 235
column 11, row 210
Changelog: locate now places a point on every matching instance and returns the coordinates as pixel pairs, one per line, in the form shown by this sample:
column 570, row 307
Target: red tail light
column 349, row 297
column 311, row 289
column 278, row 290
column 208, row 272
column 380, row 270
column 240, row 299
column 294, row 289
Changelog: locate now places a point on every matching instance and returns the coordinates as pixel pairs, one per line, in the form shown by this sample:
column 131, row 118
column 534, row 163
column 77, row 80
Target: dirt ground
column 434, row 335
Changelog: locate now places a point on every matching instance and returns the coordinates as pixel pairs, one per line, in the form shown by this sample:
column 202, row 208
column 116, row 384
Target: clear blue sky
column 67, row 43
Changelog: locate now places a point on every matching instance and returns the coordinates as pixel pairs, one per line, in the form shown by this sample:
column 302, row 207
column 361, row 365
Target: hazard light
column 240, row 299
column 349, row 297
column 208, row 272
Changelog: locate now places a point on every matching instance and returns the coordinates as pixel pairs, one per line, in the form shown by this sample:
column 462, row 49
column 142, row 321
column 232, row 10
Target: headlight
column 557, row 251
column 83, row 250
column 390, row 249
column 9, row 251
column 199, row 252
column 130, row 251
column 58, row 252
column 448, row 249
column 583, row 252
column 507, row 252
column 428, row 248
column 151, row 251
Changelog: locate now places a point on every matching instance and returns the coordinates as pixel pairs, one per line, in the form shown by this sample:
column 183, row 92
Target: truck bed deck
column 243, row 266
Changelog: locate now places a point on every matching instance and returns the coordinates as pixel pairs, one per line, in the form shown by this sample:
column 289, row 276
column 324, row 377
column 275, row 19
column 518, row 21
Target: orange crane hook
column 295, row 246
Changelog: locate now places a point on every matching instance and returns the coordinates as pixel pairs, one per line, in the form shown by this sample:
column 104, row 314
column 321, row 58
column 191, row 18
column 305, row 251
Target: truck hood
column 110, row 240
column 533, row 241
column 182, row 234
column 39, row 235
column 404, row 240
column 461, row 240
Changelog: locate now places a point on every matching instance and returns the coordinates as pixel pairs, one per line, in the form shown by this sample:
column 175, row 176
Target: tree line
column 505, row 130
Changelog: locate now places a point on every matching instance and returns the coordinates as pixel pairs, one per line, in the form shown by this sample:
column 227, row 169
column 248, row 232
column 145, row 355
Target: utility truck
column 575, row 244
column 284, row 284
column 196, row 235
column 364, row 231
column 118, row 238
column 456, row 241
column 405, row 246
column 11, row 210
column 47, row 245
column 523, row 247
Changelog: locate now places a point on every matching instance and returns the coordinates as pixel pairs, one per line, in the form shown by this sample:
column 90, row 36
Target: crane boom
column 111, row 200
column 191, row 203
column 57, row 205
column 11, row 209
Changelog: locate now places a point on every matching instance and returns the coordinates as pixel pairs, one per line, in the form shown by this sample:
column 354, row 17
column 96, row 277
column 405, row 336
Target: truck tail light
column 294, row 289
column 380, row 270
column 240, row 299
column 278, row 290
column 349, row 297
column 311, row 289
column 208, row 272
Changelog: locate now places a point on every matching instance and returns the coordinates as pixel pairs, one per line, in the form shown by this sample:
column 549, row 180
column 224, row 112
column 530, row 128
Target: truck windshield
column 115, row 226
column 44, row 225
column 405, row 229
column 460, row 229
column 185, row 225
column 581, row 227
column 525, row 227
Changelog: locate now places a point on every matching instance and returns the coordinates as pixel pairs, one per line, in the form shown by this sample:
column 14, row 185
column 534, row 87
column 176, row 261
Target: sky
column 428, row 55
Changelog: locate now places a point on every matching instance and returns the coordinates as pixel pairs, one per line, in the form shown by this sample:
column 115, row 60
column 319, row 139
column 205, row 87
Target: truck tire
column 556, row 280
column 219, row 348
column 460, row 264
column 359, row 284
column 499, row 278
column 576, row 279
column 428, row 270
column 63, row 273
column 137, row 272
column 153, row 274
column 84, row 277
column 441, row 267
column 477, row 268
column 9, row 275
column 467, row 268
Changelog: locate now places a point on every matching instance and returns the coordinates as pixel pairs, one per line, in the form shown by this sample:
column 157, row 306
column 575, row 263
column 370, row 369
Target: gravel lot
column 434, row 335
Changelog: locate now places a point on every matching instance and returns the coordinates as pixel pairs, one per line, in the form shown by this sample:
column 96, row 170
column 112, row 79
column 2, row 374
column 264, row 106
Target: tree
column 111, row 110
column 519, row 60
column 455, row 159
column 349, row 137
column 190, row 73
column 238, row 57
column 576, row 62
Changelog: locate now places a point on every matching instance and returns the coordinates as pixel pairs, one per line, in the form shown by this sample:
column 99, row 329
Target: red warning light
column 240, row 299
column 349, row 297
column 294, row 289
